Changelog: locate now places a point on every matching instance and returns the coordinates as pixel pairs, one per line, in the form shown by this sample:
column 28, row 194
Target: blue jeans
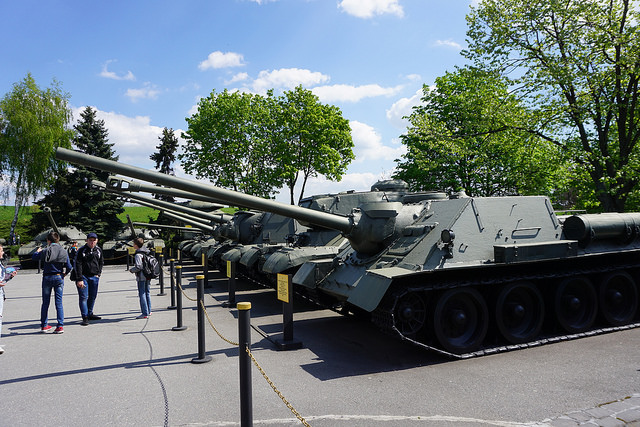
column 87, row 295
column 50, row 283
column 145, row 297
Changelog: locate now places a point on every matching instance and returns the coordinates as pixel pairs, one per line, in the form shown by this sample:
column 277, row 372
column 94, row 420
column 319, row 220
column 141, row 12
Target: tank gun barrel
column 336, row 222
column 133, row 230
column 168, row 227
column 47, row 210
column 127, row 185
column 178, row 216
column 161, row 204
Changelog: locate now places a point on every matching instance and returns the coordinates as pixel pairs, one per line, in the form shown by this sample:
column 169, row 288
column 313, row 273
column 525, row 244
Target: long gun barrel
column 161, row 204
column 127, row 185
column 47, row 210
column 323, row 219
column 168, row 227
column 178, row 216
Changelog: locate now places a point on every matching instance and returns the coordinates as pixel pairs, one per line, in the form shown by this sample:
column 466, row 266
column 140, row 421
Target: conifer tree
column 73, row 201
column 165, row 156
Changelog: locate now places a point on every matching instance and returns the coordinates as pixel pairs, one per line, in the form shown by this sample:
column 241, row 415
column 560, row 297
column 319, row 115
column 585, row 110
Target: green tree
column 315, row 139
column 465, row 136
column 229, row 141
column 33, row 123
column 74, row 200
column 165, row 156
column 578, row 64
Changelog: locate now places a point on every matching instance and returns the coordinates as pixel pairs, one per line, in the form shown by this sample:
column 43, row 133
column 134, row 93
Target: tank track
column 383, row 315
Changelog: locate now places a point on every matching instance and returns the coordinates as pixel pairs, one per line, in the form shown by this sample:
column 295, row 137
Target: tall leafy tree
column 229, row 141
column 316, row 139
column 578, row 63
column 88, row 208
column 465, row 136
column 165, row 156
column 33, row 123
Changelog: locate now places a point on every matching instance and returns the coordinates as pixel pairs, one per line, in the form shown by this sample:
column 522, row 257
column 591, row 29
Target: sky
column 143, row 65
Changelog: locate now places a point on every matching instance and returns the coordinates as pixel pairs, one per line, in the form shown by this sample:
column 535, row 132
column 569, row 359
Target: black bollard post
column 202, row 357
column 285, row 294
column 128, row 256
column 172, row 279
column 231, row 274
column 161, row 276
column 179, row 257
column 179, row 326
column 244, row 344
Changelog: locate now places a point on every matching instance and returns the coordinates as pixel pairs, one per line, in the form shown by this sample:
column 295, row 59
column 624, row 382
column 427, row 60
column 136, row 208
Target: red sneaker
column 46, row 329
column 59, row 330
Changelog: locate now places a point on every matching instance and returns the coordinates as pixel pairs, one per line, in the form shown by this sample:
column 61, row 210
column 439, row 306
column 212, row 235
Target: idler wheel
column 410, row 314
column 576, row 304
column 460, row 320
column 618, row 298
column 519, row 312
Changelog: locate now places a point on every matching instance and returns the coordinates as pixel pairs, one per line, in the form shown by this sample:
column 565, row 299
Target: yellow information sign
column 228, row 268
column 159, row 249
column 131, row 251
column 283, row 287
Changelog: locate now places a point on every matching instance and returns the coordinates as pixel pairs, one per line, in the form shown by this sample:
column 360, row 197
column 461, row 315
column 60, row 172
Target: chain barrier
column 255, row 362
column 273, row 386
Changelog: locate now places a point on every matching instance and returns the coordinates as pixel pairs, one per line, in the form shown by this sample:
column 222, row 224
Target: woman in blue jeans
column 143, row 284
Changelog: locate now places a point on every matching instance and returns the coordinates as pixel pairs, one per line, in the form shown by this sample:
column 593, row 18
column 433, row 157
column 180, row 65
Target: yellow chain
column 273, row 386
column 255, row 362
column 184, row 293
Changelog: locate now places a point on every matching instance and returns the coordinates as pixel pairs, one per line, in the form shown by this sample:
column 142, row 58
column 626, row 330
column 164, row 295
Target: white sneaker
column 1, row 350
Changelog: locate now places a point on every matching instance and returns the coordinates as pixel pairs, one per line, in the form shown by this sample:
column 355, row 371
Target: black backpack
column 150, row 267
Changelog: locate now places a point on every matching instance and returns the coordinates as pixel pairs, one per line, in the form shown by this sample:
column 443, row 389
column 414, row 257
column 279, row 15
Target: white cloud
column 403, row 107
column 237, row 78
column 287, row 78
column 148, row 91
column 448, row 43
column 368, row 144
column 348, row 93
column 112, row 75
column 369, row 8
column 219, row 59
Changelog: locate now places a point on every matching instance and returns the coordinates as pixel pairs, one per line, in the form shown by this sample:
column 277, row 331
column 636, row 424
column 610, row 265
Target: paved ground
column 127, row 372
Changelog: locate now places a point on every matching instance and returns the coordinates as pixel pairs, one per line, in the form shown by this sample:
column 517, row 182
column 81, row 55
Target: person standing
column 88, row 265
column 5, row 276
column 143, row 284
column 56, row 266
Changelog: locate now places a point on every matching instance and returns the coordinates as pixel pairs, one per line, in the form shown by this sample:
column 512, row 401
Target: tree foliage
column 256, row 144
column 578, row 64
column 33, row 123
column 464, row 136
column 229, row 142
column 73, row 200
column 316, row 139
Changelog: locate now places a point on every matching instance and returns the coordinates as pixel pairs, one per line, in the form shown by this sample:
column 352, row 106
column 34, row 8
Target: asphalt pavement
column 124, row 371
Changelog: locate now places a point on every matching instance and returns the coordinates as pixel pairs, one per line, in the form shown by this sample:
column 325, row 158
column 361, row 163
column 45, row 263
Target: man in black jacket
column 87, row 270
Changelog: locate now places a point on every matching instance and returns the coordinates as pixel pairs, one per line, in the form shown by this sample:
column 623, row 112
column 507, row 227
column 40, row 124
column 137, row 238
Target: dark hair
column 138, row 242
column 53, row 237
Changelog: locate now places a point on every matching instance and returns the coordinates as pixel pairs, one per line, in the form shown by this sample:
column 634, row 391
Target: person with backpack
column 87, row 268
column 140, row 261
column 56, row 265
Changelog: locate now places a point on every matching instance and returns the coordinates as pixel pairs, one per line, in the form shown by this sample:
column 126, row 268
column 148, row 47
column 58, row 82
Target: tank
column 462, row 276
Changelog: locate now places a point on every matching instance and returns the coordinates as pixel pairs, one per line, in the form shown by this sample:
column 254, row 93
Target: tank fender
column 372, row 287
column 312, row 272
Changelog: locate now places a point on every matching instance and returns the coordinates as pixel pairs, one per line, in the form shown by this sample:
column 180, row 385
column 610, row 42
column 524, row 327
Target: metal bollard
column 285, row 294
column 202, row 357
column 179, row 326
column 231, row 274
column 172, row 270
column 244, row 343
column 161, row 276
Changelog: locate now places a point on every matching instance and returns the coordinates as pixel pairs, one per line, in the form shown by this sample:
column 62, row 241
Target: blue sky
column 144, row 64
